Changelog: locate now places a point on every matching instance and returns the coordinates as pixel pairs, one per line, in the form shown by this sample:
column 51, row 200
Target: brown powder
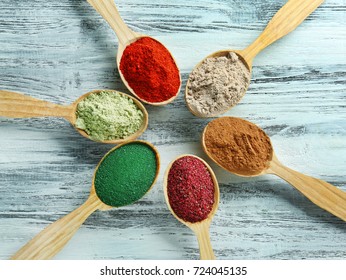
column 238, row 145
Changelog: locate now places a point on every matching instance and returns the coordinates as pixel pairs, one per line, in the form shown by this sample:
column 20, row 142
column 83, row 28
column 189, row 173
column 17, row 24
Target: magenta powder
column 190, row 189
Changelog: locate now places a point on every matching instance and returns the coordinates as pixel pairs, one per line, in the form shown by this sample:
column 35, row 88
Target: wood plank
column 58, row 50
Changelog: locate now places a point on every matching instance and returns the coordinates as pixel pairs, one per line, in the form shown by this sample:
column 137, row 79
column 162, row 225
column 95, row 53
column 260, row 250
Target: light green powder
column 108, row 115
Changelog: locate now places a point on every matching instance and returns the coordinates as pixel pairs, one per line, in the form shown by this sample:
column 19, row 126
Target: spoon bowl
column 17, row 105
column 53, row 238
column 289, row 17
column 126, row 37
column 201, row 228
column 321, row 193
column 221, row 53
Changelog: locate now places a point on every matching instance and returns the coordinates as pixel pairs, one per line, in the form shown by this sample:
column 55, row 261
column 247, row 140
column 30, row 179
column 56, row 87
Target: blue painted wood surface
column 58, row 50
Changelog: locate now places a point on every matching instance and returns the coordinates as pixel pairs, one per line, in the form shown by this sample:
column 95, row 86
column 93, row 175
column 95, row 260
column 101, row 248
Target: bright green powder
column 126, row 174
column 108, row 115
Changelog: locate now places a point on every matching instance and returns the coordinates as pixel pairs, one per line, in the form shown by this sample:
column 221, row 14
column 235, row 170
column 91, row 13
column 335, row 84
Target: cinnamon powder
column 238, row 145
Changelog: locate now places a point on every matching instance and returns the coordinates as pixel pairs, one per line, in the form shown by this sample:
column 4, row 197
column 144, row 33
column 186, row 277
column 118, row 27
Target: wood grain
column 288, row 18
column 53, row 238
column 58, row 50
column 323, row 194
column 201, row 229
column 17, row 105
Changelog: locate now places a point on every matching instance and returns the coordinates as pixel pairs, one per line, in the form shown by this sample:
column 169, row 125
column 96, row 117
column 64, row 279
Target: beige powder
column 217, row 84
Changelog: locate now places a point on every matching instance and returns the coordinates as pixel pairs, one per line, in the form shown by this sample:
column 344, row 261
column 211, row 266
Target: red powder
column 190, row 189
column 150, row 70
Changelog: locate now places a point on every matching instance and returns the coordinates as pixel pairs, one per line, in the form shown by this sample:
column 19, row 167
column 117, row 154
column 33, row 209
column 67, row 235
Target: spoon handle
column 323, row 194
column 202, row 232
column 53, row 238
column 285, row 20
column 108, row 10
column 17, row 105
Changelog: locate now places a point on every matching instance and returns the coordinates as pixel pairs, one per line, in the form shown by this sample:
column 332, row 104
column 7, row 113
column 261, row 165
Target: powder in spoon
column 217, row 84
column 126, row 174
column 238, row 145
column 150, row 70
column 108, row 115
column 190, row 189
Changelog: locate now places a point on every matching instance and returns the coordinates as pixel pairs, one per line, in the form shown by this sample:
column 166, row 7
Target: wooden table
column 58, row 50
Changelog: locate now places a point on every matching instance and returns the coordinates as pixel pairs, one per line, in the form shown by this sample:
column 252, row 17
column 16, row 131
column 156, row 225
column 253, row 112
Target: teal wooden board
column 58, row 50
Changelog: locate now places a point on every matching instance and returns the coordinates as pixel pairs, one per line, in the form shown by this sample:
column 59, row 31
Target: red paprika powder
column 190, row 189
column 150, row 70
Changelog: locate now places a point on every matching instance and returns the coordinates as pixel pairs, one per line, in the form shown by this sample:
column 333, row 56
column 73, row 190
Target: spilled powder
column 238, row 145
column 217, row 84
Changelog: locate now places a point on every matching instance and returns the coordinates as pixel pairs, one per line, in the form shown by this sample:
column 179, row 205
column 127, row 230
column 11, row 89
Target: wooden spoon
column 201, row 229
column 53, row 238
column 321, row 193
column 17, row 105
column 126, row 36
column 290, row 16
